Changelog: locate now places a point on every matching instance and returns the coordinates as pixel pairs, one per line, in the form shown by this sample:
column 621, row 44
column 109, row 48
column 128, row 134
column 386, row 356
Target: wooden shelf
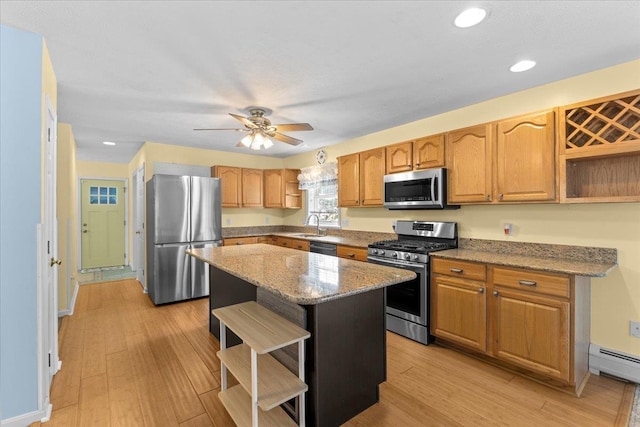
column 260, row 328
column 276, row 384
column 238, row 404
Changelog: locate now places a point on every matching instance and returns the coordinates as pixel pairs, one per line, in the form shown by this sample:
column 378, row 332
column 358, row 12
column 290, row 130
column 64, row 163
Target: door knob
column 53, row 262
column 85, row 231
column 84, row 225
column 496, row 293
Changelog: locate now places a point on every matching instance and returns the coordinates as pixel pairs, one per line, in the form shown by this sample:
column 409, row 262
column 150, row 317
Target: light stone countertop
column 542, row 263
column 301, row 277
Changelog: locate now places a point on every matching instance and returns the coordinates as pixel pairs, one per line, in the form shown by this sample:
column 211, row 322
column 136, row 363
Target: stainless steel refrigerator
column 183, row 212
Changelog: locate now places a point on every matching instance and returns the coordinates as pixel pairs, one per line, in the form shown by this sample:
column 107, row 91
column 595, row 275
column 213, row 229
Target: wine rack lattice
column 609, row 122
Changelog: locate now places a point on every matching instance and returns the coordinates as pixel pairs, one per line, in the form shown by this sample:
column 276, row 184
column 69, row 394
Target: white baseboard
column 72, row 304
column 26, row 419
column 613, row 362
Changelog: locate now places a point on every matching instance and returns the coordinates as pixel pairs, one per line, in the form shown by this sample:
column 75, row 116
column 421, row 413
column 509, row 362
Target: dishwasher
column 323, row 248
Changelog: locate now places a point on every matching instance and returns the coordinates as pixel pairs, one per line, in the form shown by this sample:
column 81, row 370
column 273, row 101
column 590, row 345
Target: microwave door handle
column 434, row 181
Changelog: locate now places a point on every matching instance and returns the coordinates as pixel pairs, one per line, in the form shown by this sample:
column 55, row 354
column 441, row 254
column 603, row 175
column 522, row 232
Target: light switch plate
column 634, row 329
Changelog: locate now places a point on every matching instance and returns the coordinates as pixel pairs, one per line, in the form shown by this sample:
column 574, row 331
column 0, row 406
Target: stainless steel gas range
column 408, row 302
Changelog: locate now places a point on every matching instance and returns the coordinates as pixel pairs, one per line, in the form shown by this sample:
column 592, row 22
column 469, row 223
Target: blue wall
column 20, row 193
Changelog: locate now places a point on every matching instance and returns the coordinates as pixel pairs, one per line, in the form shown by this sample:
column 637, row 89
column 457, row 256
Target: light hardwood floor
column 126, row 362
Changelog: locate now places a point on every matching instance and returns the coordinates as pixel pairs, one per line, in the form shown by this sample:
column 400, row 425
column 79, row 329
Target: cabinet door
column 231, row 241
column 231, row 185
column 532, row 332
column 349, row 180
column 399, row 157
column 525, row 156
column 372, row 168
column 459, row 311
column 428, row 152
column 351, row 252
column 252, row 188
column 469, row 164
column 273, row 188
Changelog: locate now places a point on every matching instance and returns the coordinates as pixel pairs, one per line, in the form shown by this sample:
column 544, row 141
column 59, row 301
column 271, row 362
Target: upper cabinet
column 599, row 159
column 511, row 160
column 469, row 164
column 360, row 177
column 252, row 188
column 422, row 153
column 281, row 189
column 525, row 158
column 231, row 185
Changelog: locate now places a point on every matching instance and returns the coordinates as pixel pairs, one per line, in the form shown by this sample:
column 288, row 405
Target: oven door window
column 405, row 297
column 418, row 190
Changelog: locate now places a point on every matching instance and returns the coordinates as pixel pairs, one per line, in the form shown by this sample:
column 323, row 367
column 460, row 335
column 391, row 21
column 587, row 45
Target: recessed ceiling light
column 470, row 17
column 108, row 143
column 522, row 66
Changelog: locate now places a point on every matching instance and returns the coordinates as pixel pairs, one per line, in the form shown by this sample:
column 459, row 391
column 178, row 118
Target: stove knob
column 374, row 251
column 381, row 252
column 407, row 256
column 395, row 254
column 415, row 257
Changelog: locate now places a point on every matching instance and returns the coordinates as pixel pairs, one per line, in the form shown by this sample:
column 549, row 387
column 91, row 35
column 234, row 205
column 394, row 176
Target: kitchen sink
column 308, row 235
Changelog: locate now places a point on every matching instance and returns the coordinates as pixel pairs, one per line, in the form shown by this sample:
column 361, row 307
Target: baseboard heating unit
column 614, row 363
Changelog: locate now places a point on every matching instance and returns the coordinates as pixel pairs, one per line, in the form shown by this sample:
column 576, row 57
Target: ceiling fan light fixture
column 247, row 140
column 267, row 143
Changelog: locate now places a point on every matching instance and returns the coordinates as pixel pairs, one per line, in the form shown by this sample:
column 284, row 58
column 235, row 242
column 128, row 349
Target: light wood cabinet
column 230, row 241
column 534, row 322
column 352, row 252
column 421, row 153
column 469, row 165
column 511, row 160
column 599, row 156
column 263, row 383
column 360, row 177
column 252, row 188
column 459, row 304
column 281, row 189
column 349, row 180
column 230, row 185
column 287, row 242
column 525, row 156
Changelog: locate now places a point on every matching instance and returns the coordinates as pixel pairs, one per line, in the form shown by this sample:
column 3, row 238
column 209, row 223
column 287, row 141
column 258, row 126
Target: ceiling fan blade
column 293, row 127
column 248, row 123
column 285, row 138
column 236, row 129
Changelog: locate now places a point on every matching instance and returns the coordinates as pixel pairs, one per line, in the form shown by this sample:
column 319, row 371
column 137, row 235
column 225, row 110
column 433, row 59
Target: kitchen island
column 340, row 302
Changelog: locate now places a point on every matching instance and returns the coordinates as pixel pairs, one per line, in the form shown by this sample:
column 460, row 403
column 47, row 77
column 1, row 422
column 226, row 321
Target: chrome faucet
column 308, row 222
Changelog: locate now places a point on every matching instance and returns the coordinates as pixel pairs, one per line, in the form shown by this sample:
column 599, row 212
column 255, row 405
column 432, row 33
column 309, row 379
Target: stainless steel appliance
column 323, row 248
column 424, row 189
column 183, row 212
column 408, row 302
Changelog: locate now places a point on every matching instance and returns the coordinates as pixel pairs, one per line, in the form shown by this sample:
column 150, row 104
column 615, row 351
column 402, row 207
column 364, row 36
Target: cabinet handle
column 495, row 293
column 299, row 246
column 500, row 196
column 481, row 291
column 351, row 255
column 456, row 270
column 238, row 243
column 527, row 282
column 487, row 198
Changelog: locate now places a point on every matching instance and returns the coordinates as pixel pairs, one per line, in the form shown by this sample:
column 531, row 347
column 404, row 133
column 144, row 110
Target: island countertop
column 301, row 277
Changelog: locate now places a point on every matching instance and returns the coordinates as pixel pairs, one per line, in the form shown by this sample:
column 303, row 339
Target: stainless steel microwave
column 424, row 189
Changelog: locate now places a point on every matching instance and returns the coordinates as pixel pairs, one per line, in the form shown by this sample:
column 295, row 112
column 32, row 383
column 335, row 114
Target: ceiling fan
column 261, row 129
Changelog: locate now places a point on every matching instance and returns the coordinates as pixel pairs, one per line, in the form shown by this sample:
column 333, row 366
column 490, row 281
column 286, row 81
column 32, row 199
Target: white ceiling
column 140, row 71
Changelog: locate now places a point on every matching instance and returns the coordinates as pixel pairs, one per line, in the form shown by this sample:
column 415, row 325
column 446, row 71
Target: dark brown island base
column 340, row 302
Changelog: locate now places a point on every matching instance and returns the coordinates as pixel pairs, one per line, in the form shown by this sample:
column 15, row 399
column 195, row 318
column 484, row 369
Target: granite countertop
column 338, row 240
column 300, row 277
column 360, row 239
column 577, row 260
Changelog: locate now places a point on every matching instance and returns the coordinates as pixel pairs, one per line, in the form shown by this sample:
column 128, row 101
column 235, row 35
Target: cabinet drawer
column 302, row 245
column 543, row 283
column 351, row 252
column 240, row 241
column 464, row 269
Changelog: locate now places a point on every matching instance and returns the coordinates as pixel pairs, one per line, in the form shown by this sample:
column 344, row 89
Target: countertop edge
column 551, row 265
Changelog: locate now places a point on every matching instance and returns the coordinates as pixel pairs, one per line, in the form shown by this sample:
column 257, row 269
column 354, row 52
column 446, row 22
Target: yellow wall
column 67, row 215
column 615, row 298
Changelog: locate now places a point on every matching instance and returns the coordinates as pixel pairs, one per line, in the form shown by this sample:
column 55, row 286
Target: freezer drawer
column 171, row 274
column 200, row 272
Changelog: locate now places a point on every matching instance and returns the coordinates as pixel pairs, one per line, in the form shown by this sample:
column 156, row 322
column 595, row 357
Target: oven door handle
column 397, row 263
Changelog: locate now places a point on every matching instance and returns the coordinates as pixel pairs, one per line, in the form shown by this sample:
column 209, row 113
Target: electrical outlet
column 634, row 329
column 266, row 220
column 345, row 222
column 228, row 221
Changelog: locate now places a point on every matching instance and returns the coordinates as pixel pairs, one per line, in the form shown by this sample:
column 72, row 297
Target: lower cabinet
column 301, row 245
column 533, row 322
column 230, row 241
column 352, row 252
